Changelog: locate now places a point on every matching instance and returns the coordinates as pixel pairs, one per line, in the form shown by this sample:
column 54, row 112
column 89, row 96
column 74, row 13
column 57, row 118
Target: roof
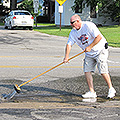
column 20, row 11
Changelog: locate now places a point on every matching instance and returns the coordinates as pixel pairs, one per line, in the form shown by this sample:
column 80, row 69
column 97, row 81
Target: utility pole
column 13, row 4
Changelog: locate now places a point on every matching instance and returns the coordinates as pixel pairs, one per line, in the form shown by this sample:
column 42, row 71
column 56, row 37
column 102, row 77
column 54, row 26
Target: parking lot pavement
column 56, row 95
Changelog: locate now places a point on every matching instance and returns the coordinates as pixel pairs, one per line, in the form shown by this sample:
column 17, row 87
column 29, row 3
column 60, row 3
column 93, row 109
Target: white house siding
column 85, row 15
column 67, row 13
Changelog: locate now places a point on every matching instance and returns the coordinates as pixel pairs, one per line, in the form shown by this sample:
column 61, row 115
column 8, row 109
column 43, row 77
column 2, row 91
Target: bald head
column 76, row 22
column 75, row 17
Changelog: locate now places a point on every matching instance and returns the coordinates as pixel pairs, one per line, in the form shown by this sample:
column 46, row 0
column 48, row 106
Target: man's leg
column 106, row 76
column 112, row 91
column 89, row 81
column 103, row 69
column 91, row 93
column 89, row 66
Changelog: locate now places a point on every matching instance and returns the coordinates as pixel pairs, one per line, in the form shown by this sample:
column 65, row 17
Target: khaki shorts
column 100, row 61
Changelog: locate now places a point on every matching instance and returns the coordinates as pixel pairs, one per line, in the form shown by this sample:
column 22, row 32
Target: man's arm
column 96, row 40
column 67, row 52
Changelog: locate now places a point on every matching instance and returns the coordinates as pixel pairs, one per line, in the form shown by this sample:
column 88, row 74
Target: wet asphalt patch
column 61, row 91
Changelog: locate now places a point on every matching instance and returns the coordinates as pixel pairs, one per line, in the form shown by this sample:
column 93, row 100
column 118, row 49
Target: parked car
column 19, row 18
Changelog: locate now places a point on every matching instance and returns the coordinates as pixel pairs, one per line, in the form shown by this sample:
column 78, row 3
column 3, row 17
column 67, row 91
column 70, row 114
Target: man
column 87, row 36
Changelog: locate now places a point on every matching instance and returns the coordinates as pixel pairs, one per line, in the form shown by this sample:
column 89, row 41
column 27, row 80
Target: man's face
column 75, row 24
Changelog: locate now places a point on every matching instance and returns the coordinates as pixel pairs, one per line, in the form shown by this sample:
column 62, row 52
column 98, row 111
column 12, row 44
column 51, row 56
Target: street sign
column 36, row 3
column 36, row 6
column 35, row 10
column 60, row 1
column 60, row 9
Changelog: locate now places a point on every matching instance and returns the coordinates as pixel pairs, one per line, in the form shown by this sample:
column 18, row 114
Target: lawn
column 1, row 23
column 53, row 30
column 111, row 33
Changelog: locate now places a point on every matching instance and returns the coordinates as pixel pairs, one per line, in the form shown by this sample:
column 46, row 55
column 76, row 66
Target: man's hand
column 88, row 49
column 96, row 41
column 67, row 51
column 65, row 60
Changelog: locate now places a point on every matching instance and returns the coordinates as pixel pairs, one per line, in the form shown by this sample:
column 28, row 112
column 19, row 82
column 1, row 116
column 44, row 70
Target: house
column 88, row 13
column 11, row 3
column 50, row 12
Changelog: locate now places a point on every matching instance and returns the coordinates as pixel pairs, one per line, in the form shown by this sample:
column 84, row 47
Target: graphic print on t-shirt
column 83, row 38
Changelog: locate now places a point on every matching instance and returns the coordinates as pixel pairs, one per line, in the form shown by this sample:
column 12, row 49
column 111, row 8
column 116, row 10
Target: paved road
column 57, row 94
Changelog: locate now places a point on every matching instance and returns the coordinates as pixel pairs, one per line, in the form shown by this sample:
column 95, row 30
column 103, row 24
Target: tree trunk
column 13, row 4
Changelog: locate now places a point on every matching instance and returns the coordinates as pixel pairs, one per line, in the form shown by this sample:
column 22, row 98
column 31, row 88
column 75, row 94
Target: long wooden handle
column 49, row 69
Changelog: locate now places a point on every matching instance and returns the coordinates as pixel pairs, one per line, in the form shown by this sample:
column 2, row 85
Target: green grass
column 111, row 33
column 1, row 23
column 45, row 24
column 53, row 30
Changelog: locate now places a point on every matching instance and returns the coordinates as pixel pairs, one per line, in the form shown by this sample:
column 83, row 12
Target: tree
column 28, row 5
column 107, row 8
column 4, row 10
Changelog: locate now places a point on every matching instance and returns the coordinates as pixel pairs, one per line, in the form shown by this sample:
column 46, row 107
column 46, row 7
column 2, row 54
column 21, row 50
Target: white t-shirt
column 85, row 36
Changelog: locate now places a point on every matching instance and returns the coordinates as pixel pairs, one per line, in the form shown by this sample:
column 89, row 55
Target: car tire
column 30, row 28
column 10, row 27
column 6, row 27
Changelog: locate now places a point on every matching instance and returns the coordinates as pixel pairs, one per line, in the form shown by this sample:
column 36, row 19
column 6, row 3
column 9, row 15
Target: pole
column 36, row 20
column 60, row 10
column 60, row 21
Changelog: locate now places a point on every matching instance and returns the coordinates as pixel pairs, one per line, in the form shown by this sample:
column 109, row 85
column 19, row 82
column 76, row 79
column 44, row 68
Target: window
column 21, row 13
